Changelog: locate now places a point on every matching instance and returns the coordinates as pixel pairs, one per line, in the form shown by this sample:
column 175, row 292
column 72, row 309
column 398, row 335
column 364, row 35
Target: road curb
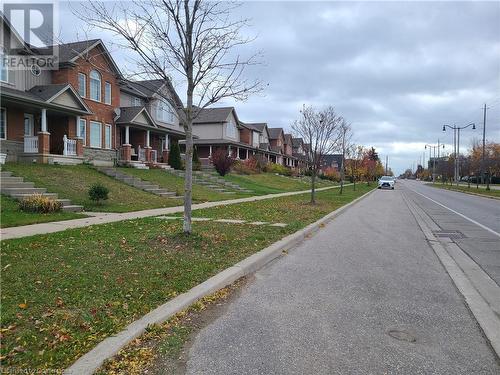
column 109, row 347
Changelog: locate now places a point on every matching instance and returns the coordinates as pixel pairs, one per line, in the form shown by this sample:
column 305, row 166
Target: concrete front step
column 72, row 208
column 11, row 179
column 5, row 174
column 24, row 195
column 23, row 190
column 13, row 185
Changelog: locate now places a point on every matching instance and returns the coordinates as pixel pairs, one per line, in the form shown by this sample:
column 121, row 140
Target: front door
column 29, row 124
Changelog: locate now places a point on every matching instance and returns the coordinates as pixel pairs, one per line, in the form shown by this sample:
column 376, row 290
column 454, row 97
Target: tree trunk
column 188, row 164
column 342, row 174
column 313, row 187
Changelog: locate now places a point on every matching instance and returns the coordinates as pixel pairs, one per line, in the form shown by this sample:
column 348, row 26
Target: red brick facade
column 103, row 113
column 246, row 136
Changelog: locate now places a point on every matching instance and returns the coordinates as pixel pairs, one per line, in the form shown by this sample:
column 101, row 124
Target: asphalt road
column 483, row 210
column 478, row 233
column 366, row 295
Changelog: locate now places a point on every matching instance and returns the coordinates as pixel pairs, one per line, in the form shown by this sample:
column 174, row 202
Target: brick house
column 277, row 144
column 38, row 116
column 148, row 121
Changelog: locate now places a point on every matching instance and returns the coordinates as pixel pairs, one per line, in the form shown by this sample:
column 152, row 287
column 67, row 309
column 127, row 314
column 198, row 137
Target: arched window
column 95, row 85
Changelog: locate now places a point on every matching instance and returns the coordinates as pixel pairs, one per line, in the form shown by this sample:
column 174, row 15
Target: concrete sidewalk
column 103, row 218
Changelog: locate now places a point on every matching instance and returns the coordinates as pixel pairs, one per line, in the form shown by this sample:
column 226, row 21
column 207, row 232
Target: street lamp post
column 456, row 145
column 434, row 148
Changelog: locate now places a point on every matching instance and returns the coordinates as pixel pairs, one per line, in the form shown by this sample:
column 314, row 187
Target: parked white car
column 386, row 182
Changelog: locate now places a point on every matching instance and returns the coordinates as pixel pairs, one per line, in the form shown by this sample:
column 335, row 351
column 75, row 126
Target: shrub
column 39, row 203
column 98, row 193
column 196, row 160
column 278, row 168
column 331, row 174
column 248, row 166
column 174, row 157
column 222, row 161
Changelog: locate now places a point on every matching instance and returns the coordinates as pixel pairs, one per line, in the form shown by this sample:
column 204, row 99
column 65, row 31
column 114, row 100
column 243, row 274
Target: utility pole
column 484, row 137
column 456, row 143
column 386, row 161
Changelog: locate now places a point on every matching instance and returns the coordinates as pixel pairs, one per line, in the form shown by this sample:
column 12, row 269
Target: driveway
column 366, row 295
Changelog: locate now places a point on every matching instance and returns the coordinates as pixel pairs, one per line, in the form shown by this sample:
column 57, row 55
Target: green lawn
column 12, row 216
column 73, row 182
column 175, row 183
column 62, row 293
column 471, row 190
column 269, row 183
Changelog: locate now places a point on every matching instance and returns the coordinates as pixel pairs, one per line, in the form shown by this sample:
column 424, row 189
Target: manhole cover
column 449, row 233
column 401, row 335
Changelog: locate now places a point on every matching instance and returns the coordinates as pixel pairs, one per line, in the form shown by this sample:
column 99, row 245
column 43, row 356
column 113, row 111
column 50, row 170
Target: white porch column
column 247, row 153
column 44, row 120
column 147, row 138
column 237, row 152
column 127, row 142
column 229, row 150
column 210, row 150
column 166, row 142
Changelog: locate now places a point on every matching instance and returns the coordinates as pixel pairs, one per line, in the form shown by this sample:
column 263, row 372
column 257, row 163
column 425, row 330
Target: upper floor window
column 107, row 92
column 95, row 85
column 255, row 139
column 230, row 129
column 136, row 102
column 164, row 112
column 4, row 72
column 82, row 85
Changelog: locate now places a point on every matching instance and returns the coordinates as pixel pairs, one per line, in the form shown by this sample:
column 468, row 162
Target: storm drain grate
column 453, row 234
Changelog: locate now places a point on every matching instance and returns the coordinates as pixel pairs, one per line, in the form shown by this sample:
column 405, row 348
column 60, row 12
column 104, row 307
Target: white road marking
column 458, row 213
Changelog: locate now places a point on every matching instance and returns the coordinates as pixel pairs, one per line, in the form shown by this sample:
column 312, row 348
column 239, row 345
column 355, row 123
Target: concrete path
column 366, row 295
column 102, row 218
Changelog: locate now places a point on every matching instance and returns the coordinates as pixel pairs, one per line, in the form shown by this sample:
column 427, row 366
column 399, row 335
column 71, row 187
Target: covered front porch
column 142, row 140
column 43, row 131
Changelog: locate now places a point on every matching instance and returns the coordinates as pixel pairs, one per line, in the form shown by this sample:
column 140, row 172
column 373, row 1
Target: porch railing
column 69, row 146
column 141, row 154
column 31, row 143
column 154, row 156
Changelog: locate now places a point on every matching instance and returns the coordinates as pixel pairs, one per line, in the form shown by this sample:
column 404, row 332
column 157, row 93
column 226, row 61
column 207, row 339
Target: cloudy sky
column 397, row 71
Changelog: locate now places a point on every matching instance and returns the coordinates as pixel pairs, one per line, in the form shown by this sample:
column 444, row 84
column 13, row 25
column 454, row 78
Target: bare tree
column 345, row 144
column 320, row 130
column 195, row 40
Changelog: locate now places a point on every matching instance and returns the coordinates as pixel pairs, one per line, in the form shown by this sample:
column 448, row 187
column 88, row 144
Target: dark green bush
column 98, row 193
column 174, row 157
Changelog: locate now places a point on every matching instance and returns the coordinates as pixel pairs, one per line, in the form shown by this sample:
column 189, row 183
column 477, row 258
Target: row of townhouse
column 87, row 111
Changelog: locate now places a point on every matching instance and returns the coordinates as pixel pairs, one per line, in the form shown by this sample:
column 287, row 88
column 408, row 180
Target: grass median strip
column 470, row 190
column 63, row 293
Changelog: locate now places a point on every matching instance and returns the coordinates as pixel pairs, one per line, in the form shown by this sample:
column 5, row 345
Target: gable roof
column 214, row 115
column 46, row 95
column 288, row 139
column 70, row 52
column 256, row 126
column 129, row 115
column 275, row 133
column 148, row 88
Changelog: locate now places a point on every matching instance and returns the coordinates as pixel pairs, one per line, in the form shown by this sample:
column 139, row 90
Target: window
column 255, row 139
column 3, row 123
column 4, row 72
column 95, row 85
column 230, row 129
column 82, row 85
column 107, row 93
column 107, row 136
column 95, row 134
column 136, row 102
column 164, row 112
column 82, row 130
